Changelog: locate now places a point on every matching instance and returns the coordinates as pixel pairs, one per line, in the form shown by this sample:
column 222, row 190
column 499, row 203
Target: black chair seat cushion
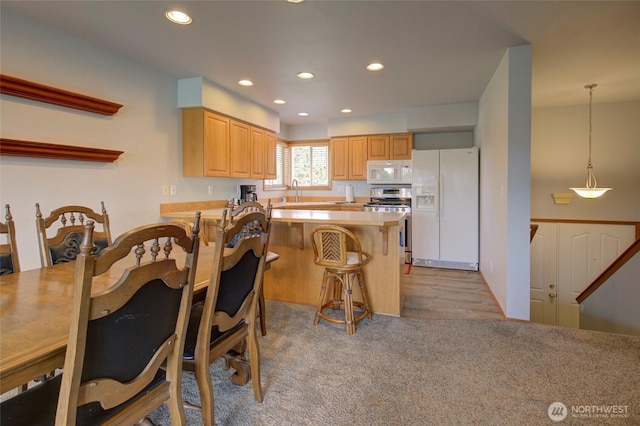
column 192, row 331
column 37, row 406
column 6, row 264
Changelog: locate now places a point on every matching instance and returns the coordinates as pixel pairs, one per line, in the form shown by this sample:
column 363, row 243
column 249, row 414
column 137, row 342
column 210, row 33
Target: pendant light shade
column 591, row 190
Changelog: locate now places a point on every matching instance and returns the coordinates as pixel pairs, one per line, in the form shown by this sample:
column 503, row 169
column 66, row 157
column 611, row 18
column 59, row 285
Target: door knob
column 552, row 286
column 552, row 295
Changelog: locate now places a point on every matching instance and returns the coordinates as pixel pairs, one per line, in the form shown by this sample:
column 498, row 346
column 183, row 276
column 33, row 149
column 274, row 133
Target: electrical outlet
column 210, row 190
column 173, row 190
column 165, row 190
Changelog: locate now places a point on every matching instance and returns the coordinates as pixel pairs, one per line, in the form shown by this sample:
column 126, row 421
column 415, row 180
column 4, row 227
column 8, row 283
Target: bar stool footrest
column 362, row 307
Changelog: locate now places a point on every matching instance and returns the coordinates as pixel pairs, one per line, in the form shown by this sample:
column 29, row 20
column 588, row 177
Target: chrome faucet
column 294, row 185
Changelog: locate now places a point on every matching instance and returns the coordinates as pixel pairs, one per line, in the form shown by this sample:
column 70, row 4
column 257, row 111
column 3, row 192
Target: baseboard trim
column 495, row 299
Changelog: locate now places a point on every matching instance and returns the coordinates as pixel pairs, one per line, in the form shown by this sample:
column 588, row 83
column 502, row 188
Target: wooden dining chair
column 9, row 261
column 238, row 210
column 224, row 324
column 124, row 353
column 68, row 224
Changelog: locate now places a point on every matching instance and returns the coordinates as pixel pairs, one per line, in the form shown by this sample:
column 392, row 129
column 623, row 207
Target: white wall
column 147, row 129
column 304, row 132
column 503, row 137
column 367, row 125
column 559, row 152
column 196, row 92
column 443, row 140
column 614, row 306
column 443, row 117
column 433, row 118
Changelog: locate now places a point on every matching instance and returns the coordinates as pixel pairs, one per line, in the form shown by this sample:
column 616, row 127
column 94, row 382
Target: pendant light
column 591, row 190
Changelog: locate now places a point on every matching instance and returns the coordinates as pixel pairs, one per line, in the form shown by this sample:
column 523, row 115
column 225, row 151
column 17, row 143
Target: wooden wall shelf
column 18, row 148
column 39, row 92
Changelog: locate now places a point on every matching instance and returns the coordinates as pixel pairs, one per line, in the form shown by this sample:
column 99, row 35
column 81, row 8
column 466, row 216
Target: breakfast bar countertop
column 294, row 277
column 346, row 218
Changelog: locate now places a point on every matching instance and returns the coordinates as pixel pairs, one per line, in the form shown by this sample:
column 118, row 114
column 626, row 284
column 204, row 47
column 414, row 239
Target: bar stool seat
column 339, row 251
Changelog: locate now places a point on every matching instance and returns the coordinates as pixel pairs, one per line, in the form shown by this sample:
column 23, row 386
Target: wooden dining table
column 35, row 315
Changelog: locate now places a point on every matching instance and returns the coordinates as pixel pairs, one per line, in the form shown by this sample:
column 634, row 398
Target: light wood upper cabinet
column 240, row 148
column 348, row 158
column 216, row 145
column 390, row 147
column 270, row 142
column 205, row 143
column 378, row 147
column 339, row 157
column 401, row 146
column 358, row 158
column 257, row 152
column 349, row 155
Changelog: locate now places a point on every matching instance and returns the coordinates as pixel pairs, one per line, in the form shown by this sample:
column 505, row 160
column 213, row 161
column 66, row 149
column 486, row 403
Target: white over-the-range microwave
column 389, row 172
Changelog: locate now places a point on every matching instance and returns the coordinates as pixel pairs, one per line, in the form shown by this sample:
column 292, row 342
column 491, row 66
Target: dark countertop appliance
column 248, row 193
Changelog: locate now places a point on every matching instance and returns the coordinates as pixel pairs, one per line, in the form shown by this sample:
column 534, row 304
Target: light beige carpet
column 398, row 371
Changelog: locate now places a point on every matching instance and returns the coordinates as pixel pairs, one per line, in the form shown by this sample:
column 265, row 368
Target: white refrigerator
column 444, row 208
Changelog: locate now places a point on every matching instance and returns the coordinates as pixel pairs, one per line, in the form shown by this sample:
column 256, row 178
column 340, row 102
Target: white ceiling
column 435, row 52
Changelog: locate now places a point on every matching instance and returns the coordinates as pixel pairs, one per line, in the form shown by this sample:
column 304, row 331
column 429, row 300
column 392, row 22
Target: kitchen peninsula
column 294, row 277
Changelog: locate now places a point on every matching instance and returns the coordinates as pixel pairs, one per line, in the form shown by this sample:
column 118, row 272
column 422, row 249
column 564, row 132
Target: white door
column 459, row 205
column 584, row 251
column 543, row 287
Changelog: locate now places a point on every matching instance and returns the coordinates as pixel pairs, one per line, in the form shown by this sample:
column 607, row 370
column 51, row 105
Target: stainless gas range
column 394, row 199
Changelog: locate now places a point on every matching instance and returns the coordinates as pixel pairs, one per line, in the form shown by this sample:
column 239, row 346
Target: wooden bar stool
column 330, row 249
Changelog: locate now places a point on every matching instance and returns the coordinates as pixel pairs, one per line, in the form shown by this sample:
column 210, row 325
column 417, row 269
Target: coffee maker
column 248, row 193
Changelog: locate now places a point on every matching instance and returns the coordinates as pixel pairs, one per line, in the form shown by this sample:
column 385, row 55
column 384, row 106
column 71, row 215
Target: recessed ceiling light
column 279, row 101
column 303, row 114
column 178, row 17
column 305, row 75
column 345, row 111
column 375, row 66
column 245, row 83
column 295, row 1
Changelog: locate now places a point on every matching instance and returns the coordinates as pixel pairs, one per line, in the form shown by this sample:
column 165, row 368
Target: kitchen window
column 307, row 162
